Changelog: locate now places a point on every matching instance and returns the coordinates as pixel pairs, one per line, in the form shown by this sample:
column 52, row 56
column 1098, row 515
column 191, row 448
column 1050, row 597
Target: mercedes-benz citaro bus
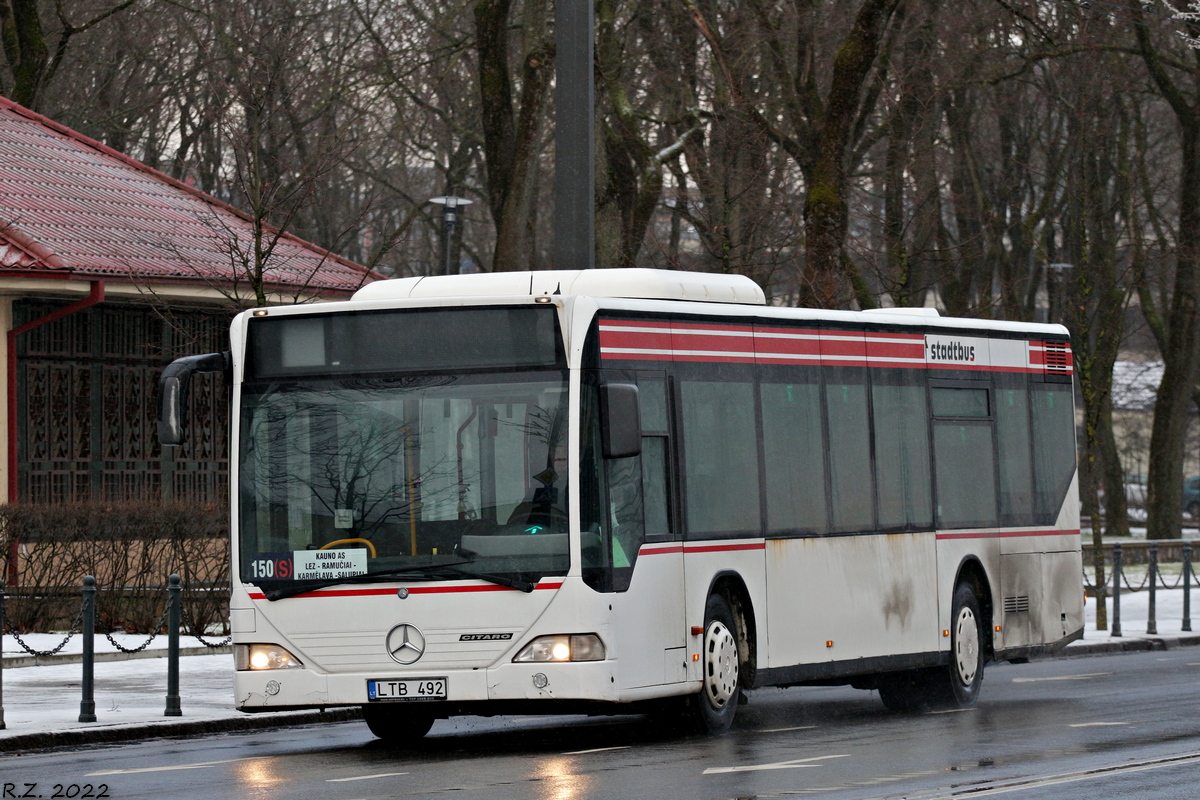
column 612, row 491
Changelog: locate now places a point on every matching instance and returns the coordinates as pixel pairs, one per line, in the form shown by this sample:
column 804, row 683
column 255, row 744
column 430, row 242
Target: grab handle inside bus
column 620, row 415
column 173, row 392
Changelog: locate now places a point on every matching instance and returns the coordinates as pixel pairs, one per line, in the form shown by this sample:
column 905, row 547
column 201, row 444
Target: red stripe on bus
column 637, row 339
column 702, row 548
column 718, row 548
column 411, row 590
column 913, row 350
column 1009, row 534
column 662, row 341
column 658, row 551
column 735, row 344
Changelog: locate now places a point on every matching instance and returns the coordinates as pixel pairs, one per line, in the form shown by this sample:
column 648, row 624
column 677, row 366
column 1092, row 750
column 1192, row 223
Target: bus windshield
column 434, row 477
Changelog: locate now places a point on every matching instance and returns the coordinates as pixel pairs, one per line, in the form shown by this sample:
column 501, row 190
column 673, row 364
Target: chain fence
column 1117, row 557
column 195, row 629
column 76, row 627
column 89, row 622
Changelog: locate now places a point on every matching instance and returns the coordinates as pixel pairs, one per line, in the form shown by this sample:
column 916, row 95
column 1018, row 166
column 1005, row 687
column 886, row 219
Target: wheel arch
column 972, row 571
column 732, row 587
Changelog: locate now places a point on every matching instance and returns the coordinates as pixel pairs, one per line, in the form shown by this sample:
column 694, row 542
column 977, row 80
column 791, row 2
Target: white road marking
column 781, row 730
column 1082, row 677
column 796, row 763
column 1095, row 724
column 203, row 765
column 952, row 711
column 596, row 750
column 365, row 777
column 1054, row 780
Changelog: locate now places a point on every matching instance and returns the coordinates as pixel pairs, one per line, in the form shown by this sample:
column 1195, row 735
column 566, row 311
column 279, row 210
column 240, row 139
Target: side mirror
column 620, row 420
column 173, row 392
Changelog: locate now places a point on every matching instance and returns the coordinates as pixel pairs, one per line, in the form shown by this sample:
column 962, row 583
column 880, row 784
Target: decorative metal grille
column 87, row 395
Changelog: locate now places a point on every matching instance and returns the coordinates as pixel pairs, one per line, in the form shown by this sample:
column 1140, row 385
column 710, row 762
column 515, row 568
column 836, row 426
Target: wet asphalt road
column 1123, row 726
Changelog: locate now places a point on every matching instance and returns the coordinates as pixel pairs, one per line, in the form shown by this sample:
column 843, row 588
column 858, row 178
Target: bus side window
column 1013, row 441
column 1053, row 448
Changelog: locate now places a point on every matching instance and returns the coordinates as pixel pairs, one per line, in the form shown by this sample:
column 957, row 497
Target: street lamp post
column 1055, row 277
column 450, row 205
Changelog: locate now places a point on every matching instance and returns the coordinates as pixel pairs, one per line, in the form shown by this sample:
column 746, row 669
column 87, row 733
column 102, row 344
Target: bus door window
column 964, row 456
column 652, row 393
column 621, row 497
column 595, row 544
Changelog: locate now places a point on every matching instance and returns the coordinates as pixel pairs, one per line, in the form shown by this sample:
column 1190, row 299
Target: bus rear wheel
column 398, row 724
column 713, row 708
column 954, row 686
column 966, row 650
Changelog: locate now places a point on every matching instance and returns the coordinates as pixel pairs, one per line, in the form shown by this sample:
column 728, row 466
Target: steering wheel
column 367, row 542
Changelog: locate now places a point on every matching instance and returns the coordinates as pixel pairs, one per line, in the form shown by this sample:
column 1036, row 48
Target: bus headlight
column 263, row 656
column 563, row 647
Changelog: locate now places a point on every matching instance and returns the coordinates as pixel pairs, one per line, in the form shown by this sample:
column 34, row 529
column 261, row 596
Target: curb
column 17, row 662
column 158, row 730
column 1140, row 645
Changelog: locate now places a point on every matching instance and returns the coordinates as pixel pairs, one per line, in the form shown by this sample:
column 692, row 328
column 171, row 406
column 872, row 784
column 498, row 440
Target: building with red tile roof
column 108, row 269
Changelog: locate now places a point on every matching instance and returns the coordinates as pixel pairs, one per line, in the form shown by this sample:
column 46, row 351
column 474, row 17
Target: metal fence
column 173, row 617
column 1118, row 556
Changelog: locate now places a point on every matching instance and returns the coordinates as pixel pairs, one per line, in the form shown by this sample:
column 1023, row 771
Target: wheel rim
column 966, row 646
column 720, row 664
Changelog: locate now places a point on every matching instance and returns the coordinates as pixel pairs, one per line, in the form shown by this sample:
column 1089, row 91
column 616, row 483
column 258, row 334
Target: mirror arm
column 173, row 392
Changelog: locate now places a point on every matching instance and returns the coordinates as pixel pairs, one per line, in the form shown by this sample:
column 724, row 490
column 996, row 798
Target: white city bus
column 615, row 490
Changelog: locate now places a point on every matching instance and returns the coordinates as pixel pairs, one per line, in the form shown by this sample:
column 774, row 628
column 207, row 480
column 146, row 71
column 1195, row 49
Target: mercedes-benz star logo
column 405, row 643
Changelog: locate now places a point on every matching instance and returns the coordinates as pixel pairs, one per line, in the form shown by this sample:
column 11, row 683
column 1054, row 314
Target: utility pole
column 574, row 135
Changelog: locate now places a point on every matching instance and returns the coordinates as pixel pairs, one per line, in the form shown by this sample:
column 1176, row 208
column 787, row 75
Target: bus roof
column 633, row 283
column 631, row 289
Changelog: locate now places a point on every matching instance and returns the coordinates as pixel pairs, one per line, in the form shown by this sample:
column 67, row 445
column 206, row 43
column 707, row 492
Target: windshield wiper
column 499, row 580
column 426, row 571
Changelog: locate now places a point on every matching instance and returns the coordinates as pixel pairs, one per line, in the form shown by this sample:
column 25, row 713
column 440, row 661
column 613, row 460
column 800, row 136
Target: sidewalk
column 41, row 702
column 42, row 696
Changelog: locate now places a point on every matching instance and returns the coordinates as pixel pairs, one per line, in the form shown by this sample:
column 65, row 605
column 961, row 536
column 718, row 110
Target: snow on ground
column 1135, row 609
column 47, row 698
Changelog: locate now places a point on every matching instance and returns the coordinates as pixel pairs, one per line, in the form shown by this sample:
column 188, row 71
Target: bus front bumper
column 289, row 689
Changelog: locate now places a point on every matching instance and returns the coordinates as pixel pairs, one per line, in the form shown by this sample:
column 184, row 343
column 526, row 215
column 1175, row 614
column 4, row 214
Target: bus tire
column 906, row 692
column 713, row 708
column 967, row 650
column 398, row 725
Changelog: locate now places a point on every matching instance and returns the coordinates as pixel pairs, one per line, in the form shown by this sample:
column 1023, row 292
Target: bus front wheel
column 398, row 724
column 714, row 707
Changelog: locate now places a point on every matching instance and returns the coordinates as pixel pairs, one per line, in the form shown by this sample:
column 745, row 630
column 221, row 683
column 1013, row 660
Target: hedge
column 130, row 548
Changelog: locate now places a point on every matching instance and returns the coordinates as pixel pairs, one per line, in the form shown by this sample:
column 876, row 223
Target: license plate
column 407, row 689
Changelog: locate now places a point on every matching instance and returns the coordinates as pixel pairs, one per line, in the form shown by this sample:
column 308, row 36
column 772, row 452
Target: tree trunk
column 826, row 220
column 512, row 131
column 26, row 49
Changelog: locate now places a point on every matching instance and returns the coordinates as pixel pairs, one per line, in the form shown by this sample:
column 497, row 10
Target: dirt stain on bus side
column 898, row 600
